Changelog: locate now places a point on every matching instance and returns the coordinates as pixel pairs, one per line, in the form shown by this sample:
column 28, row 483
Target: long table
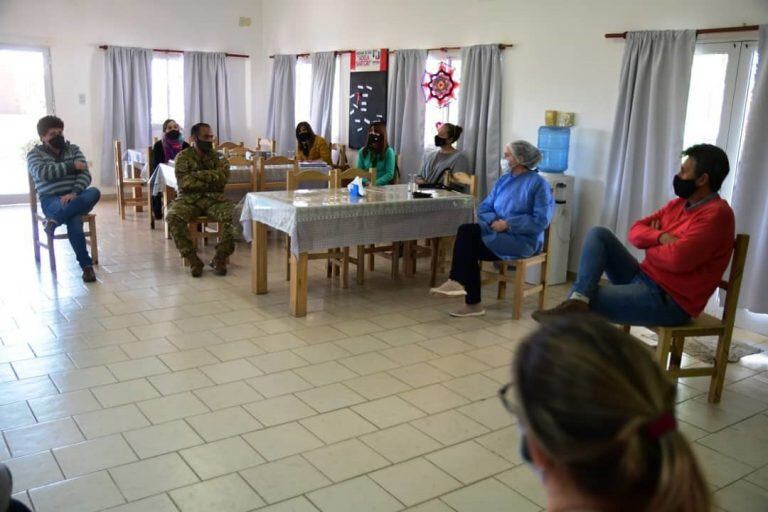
column 318, row 220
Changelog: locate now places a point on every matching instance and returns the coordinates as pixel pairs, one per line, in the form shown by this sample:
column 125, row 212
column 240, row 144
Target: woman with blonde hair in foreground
column 597, row 422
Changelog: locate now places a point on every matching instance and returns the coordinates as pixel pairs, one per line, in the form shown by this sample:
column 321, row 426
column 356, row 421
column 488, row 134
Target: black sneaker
column 89, row 276
column 50, row 226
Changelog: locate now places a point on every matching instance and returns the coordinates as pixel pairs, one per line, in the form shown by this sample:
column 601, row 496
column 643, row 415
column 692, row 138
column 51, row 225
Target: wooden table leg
column 409, row 257
column 298, row 284
column 360, row 264
column 435, row 258
column 259, row 258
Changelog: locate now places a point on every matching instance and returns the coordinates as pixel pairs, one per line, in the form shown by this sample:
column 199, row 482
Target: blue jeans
column 632, row 298
column 71, row 215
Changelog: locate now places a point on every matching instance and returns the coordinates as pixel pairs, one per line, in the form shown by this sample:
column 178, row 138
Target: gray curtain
column 405, row 108
column 281, row 113
column 749, row 203
column 206, row 94
column 480, row 112
column 648, row 125
column 320, row 104
column 127, row 104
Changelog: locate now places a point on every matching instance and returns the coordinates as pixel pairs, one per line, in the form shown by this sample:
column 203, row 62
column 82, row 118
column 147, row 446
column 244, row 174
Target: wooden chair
column 239, row 151
column 38, row 220
column 149, row 188
column 262, row 184
column 451, row 179
column 669, row 351
column 229, row 145
column 135, row 183
column 341, row 156
column 521, row 289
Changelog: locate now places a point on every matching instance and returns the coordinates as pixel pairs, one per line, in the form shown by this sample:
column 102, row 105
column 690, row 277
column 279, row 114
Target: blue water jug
column 553, row 144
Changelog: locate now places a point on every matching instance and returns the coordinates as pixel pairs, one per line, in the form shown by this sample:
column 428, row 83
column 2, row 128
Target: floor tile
column 42, row 436
column 235, row 350
column 468, row 462
column 473, row 387
column 366, row 364
column 276, row 384
column 325, row 373
column 279, row 342
column 152, row 476
column 719, row 469
column 88, row 493
column 277, row 361
column 489, row 412
column 400, row 443
column 229, row 493
column 446, row 346
column 111, row 421
column 299, row 504
column 525, row 482
column 409, row 354
column 504, row 442
column 151, row 347
column 732, row 409
column 184, row 380
column 435, row 398
column 19, row 390
column 419, row 375
column 227, row 395
column 415, row 481
column 282, row 441
column 328, row 398
column 221, row 457
column 91, row 456
column 98, row 357
column 159, row 439
column 172, row 407
column 377, row 385
column 458, row 365
column 321, row 352
column 746, row 441
column 282, row 409
column 231, row 371
column 137, row 368
column 742, row 496
column 488, row 495
column 224, row 423
column 123, row 393
column 361, row 344
column 337, row 425
column 186, row 359
column 357, row 327
column 345, row 460
column 16, row 414
column 82, row 379
column 353, row 496
column 34, row 471
column 449, row 427
column 286, row 478
column 38, row 366
column 319, row 334
column 158, row 503
column 387, row 412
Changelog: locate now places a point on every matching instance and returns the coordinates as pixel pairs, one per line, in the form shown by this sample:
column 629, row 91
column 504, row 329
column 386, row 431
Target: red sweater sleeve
column 702, row 237
column 642, row 235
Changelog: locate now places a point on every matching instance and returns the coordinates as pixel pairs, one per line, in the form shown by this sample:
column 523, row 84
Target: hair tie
column 663, row 424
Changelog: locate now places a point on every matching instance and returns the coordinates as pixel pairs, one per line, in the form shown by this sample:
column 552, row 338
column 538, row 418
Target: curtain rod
column 502, row 46
column 165, row 50
column 745, row 28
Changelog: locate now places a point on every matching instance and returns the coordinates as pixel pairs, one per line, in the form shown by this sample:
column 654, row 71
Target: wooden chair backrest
column 118, row 147
column 261, row 181
column 398, row 166
column 341, row 159
column 346, row 176
column 238, row 151
column 32, row 198
column 229, row 145
column 242, row 161
column 295, row 178
column 461, row 178
column 732, row 287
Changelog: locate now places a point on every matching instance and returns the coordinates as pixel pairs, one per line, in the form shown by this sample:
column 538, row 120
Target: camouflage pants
column 215, row 207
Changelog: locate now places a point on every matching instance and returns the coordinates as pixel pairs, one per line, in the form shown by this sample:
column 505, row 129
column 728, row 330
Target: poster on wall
column 367, row 93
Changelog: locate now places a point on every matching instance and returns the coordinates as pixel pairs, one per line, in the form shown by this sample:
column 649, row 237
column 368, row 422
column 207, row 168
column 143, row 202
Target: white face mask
column 505, row 168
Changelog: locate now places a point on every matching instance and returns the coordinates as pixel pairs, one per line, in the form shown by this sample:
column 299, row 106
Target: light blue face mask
column 505, row 168
column 525, row 454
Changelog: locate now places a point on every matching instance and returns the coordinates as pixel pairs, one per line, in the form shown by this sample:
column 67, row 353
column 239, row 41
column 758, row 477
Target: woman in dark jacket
column 164, row 150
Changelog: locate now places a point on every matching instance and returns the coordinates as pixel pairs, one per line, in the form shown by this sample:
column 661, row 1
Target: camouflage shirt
column 205, row 174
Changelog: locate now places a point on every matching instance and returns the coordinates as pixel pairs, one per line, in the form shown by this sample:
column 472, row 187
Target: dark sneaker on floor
column 564, row 308
column 195, row 265
column 89, row 276
column 219, row 265
column 49, row 227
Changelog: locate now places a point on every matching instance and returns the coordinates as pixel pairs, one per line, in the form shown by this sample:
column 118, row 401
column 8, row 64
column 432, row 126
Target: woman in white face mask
column 511, row 224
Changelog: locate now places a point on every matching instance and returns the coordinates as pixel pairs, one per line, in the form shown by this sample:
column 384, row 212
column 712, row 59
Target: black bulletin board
column 367, row 104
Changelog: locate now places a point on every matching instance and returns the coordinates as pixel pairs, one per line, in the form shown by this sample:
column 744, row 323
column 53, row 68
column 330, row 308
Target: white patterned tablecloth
column 327, row 218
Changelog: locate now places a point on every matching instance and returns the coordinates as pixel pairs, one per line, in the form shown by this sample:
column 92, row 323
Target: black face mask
column 373, row 139
column 304, row 137
column 684, row 188
column 440, row 141
column 58, row 142
column 205, row 146
column 173, row 134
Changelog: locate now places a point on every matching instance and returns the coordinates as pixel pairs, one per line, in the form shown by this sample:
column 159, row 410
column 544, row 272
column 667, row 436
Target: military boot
column 219, row 265
column 195, row 265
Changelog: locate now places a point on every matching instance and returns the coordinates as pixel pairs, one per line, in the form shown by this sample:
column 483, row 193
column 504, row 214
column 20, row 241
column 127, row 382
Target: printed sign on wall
column 368, row 60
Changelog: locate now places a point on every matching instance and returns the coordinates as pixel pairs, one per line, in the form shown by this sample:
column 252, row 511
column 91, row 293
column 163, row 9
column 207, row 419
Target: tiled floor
column 150, row 390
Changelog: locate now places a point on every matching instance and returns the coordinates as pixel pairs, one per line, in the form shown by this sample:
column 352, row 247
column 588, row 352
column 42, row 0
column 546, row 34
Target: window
column 25, row 97
column 722, row 78
column 303, row 88
column 167, row 90
column 434, row 114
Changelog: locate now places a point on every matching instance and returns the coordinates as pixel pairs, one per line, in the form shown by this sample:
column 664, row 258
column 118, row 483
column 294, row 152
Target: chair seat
column 703, row 325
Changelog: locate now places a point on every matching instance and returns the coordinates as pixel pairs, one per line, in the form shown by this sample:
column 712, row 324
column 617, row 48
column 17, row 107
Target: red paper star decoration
column 440, row 86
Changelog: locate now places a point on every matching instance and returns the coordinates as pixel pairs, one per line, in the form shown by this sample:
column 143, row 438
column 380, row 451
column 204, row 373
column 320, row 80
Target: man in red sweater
column 688, row 245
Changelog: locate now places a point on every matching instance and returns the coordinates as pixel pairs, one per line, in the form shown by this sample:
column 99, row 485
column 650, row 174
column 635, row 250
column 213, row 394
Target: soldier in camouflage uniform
column 202, row 173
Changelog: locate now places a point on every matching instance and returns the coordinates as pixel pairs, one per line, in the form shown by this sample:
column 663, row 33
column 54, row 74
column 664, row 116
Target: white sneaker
column 468, row 310
column 449, row 288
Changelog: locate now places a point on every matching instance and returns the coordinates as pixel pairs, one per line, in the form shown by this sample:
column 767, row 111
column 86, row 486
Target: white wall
column 560, row 58
column 73, row 30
